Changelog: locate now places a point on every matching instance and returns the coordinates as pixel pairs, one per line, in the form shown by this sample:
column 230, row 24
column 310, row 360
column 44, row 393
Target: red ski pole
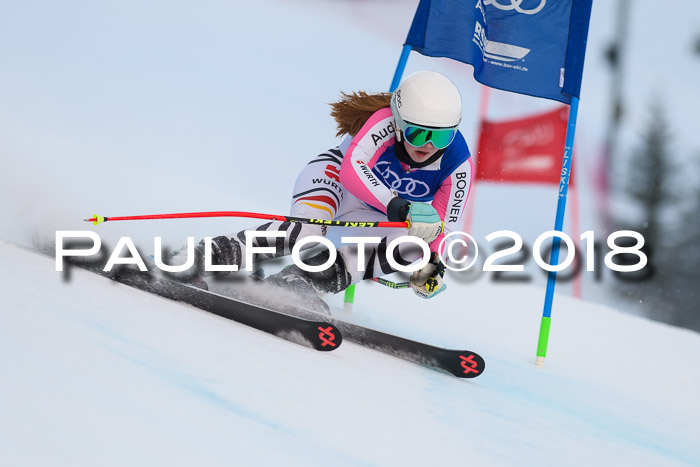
column 255, row 215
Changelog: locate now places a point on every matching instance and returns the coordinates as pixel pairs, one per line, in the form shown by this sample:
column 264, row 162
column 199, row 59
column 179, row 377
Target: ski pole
column 95, row 219
column 391, row 284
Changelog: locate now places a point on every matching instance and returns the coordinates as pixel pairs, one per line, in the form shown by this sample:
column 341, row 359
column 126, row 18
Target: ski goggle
column 417, row 135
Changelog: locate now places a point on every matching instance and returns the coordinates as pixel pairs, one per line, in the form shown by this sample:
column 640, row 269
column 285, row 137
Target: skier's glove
column 427, row 282
column 424, row 221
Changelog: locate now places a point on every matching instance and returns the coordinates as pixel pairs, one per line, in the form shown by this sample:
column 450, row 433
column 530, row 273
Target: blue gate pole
column 400, row 67
column 558, row 226
column 350, row 291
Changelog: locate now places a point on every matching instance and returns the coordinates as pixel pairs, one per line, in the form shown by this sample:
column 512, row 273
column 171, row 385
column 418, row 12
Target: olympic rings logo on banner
column 515, row 5
column 404, row 186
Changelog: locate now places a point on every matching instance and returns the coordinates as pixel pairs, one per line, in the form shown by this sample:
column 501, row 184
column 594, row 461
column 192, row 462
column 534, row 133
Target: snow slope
column 96, row 373
column 136, row 108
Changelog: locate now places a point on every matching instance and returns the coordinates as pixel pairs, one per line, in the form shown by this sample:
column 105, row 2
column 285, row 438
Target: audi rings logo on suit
column 404, row 186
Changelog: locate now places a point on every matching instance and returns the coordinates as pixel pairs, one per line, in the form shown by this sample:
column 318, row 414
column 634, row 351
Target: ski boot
column 310, row 286
column 225, row 251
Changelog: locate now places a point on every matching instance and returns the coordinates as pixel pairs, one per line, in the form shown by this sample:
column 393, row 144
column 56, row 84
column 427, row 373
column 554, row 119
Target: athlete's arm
column 375, row 136
column 451, row 199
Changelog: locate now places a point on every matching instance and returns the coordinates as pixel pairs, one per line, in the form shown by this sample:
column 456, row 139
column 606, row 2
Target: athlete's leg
column 372, row 261
column 317, row 194
column 352, row 265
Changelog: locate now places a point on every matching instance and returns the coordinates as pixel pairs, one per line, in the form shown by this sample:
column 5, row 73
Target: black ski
column 325, row 335
column 318, row 334
column 460, row 363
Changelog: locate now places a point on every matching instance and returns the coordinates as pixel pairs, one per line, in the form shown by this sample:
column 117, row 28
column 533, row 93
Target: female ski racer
column 403, row 159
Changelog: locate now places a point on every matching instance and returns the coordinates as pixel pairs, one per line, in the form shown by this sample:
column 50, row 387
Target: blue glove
column 424, row 221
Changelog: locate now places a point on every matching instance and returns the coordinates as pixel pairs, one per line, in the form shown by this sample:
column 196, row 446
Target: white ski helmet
column 427, row 98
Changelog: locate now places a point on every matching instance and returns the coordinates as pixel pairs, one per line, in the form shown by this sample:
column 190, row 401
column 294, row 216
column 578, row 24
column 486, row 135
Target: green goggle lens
column 418, row 136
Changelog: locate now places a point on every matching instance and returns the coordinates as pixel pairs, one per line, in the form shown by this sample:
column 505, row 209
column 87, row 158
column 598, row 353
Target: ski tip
column 329, row 337
column 95, row 219
column 468, row 365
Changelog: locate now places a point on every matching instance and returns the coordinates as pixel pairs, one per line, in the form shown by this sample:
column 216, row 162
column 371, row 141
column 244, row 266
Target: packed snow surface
column 97, row 373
